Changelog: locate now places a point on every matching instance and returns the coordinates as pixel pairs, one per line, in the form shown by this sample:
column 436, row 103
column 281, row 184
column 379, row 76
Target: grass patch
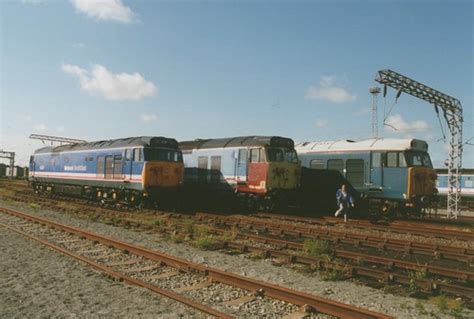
column 34, row 206
column 232, row 234
column 206, row 242
column 418, row 274
column 176, row 238
column 420, row 307
column 256, row 255
column 332, row 275
column 316, row 248
column 449, row 306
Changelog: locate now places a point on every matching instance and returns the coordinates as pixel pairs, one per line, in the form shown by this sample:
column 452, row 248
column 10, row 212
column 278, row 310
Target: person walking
column 344, row 202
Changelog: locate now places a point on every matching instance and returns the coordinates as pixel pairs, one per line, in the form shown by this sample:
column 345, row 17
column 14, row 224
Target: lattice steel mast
column 375, row 126
column 452, row 112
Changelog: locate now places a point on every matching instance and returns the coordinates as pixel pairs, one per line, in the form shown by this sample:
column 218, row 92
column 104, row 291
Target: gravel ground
column 41, row 283
column 344, row 291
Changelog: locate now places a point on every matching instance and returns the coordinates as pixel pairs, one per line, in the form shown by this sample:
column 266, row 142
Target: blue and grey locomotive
column 121, row 170
column 395, row 175
column 262, row 171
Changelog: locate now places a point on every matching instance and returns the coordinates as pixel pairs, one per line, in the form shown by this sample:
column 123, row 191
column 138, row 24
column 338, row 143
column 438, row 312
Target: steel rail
column 352, row 270
column 377, row 242
column 319, row 304
column 389, row 262
column 314, row 262
column 395, row 226
column 460, row 222
column 122, row 277
column 422, row 230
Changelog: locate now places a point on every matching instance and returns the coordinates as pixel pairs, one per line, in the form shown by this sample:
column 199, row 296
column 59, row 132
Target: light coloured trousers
column 342, row 210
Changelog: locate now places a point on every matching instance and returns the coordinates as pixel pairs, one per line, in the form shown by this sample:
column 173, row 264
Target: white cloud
column 114, row 87
column 104, row 10
column 147, row 118
column 321, row 123
column 395, row 123
column 40, row 127
column 329, row 90
column 362, row 111
column 78, row 45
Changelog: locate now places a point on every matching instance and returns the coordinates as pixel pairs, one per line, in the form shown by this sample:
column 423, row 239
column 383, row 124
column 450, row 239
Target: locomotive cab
column 163, row 168
column 421, row 180
column 284, row 168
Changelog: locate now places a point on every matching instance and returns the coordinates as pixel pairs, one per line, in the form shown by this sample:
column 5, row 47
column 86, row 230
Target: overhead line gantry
column 452, row 112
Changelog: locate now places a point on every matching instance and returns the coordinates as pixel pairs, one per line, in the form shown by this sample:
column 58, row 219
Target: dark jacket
column 346, row 200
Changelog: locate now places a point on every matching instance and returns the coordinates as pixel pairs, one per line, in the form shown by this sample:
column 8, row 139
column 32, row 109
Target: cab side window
column 255, row 155
column 392, row 159
column 137, row 155
column 128, row 154
column 401, row 160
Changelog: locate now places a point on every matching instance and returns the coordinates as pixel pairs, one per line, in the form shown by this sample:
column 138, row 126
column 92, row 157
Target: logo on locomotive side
column 81, row 168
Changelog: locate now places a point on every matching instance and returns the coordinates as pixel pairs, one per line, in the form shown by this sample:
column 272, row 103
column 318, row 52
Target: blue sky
column 200, row 69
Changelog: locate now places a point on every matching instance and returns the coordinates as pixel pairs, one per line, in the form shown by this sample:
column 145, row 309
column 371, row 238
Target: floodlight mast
column 452, row 112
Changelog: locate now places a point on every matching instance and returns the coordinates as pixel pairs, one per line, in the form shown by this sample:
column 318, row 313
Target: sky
column 107, row 69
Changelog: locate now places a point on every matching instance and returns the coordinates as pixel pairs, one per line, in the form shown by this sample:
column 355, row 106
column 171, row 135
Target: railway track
column 351, row 263
column 337, row 236
column 172, row 277
column 420, row 229
column 340, row 236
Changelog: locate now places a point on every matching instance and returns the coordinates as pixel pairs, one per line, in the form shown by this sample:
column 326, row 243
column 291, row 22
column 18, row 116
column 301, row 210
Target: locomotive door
column 32, row 165
column 376, row 172
column 127, row 164
column 241, row 172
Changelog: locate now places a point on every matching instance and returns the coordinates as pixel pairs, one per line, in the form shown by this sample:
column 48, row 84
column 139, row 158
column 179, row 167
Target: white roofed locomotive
column 394, row 175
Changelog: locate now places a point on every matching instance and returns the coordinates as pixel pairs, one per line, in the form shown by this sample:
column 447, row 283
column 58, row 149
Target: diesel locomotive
column 260, row 171
column 395, row 176
column 133, row 170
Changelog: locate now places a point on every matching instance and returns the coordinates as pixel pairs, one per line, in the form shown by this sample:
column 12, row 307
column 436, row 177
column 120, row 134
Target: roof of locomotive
column 374, row 144
column 274, row 141
column 140, row 141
